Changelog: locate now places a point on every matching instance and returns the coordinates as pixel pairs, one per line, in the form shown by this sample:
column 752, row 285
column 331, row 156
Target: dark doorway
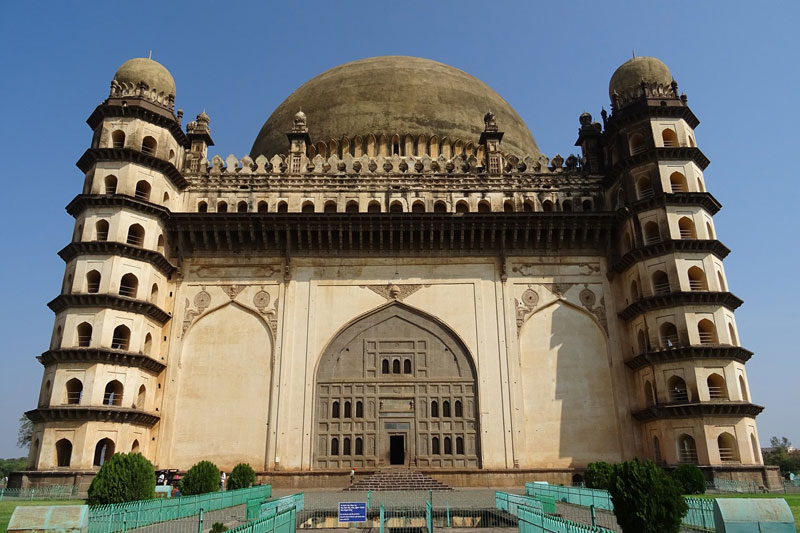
column 397, row 452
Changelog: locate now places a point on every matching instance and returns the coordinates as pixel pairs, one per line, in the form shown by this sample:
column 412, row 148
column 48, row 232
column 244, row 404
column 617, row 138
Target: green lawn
column 792, row 499
column 7, row 508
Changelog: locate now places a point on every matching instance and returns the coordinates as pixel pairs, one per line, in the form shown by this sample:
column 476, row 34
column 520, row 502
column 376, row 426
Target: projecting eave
column 100, row 355
column 144, row 110
column 92, row 156
column 688, row 353
column 670, row 246
column 93, row 414
column 698, row 409
column 680, row 298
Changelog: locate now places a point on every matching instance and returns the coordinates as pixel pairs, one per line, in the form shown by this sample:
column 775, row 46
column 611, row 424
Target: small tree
column 690, row 478
column 201, row 478
column 598, row 475
column 24, row 433
column 241, row 477
column 646, row 500
column 125, row 477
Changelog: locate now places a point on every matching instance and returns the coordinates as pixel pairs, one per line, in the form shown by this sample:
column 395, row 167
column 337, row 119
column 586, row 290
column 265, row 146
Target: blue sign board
column 352, row 512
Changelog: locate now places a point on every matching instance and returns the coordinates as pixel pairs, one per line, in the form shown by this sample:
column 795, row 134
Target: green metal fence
column 277, row 505
column 534, row 521
column 700, row 513
column 574, row 495
column 54, row 492
column 511, row 502
column 124, row 516
column 284, row 521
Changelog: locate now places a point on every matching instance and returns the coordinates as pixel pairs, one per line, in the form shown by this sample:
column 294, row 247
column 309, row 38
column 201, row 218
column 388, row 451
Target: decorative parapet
column 101, row 355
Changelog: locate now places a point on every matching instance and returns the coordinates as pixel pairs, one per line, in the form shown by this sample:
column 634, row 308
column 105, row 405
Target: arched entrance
column 396, row 387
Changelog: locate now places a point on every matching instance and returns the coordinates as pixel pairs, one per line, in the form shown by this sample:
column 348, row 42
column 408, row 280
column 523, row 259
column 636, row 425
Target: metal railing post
column 369, row 499
column 594, row 518
column 447, row 507
column 200, row 522
column 124, row 521
column 380, row 518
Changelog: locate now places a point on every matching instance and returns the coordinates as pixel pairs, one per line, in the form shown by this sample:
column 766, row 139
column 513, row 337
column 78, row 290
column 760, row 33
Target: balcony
column 716, row 393
column 728, row 455
column 661, row 288
column 687, row 457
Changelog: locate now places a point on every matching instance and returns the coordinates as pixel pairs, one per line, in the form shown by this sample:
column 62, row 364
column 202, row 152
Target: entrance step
column 396, row 479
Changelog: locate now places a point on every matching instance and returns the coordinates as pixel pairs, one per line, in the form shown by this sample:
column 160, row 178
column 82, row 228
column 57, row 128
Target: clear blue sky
column 737, row 61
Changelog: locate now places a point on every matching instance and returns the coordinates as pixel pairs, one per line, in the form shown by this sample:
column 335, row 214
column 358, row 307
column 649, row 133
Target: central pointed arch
column 398, row 425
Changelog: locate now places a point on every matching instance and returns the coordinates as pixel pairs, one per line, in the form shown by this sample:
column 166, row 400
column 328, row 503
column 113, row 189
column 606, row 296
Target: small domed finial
column 585, row 119
column 300, row 122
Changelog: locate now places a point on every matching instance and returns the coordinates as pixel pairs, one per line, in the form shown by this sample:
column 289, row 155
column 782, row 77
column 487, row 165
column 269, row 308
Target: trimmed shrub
column 201, row 478
column 646, row 500
column 126, row 477
column 690, row 478
column 241, row 477
column 218, row 527
column 598, row 475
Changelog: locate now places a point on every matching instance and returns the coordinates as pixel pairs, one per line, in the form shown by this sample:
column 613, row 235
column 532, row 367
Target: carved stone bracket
column 525, row 308
column 233, row 290
column 261, row 301
column 588, row 299
column 201, row 301
column 393, row 291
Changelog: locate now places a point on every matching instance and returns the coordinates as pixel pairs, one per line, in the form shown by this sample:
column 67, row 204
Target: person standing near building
column 352, row 475
column 222, row 479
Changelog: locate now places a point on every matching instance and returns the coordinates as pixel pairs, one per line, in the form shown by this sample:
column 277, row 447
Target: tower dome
column 394, row 95
column 153, row 73
column 628, row 77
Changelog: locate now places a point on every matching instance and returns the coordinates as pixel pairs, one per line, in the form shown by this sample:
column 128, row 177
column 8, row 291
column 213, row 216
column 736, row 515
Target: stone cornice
column 391, row 233
column 646, row 108
column 93, row 414
column 83, row 201
column 704, row 199
column 654, row 155
column 669, row 247
column 93, row 156
column 110, row 301
column 74, row 249
column 686, row 353
column 698, row 409
column 101, row 355
column 143, row 110
column 674, row 299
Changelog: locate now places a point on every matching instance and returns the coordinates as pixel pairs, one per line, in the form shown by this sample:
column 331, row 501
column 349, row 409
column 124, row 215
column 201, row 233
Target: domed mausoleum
column 395, row 276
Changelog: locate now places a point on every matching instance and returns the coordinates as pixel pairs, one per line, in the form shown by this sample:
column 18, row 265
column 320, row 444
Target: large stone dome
column 394, row 95
column 153, row 73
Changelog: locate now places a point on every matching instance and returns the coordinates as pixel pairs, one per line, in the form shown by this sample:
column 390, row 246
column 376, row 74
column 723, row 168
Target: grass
column 7, row 508
column 792, row 499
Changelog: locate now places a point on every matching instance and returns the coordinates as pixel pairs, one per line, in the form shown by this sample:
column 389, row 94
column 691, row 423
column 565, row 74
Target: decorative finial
column 634, row 53
column 150, row 55
column 490, row 122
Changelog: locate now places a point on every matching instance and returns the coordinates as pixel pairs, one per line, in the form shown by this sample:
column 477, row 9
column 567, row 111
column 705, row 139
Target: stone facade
column 370, row 299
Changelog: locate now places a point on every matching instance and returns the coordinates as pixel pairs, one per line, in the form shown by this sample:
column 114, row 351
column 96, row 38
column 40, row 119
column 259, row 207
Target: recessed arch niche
column 397, row 414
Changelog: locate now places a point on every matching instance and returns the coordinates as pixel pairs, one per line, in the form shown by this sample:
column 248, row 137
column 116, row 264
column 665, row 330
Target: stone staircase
column 397, row 479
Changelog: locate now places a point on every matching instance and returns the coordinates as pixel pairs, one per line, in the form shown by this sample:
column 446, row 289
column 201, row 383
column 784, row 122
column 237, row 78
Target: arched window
column 121, row 338
column 707, row 332
column 634, row 291
column 728, row 451
column 135, row 446
column 434, row 409
column 222, row 207
column 691, row 141
column 484, row 207
column 669, row 137
column 652, row 234
column 348, row 410
column 547, row 206
column 637, row 144
column 686, row 228
column 508, row 206
column 149, row 145
column 135, row 235
column 74, row 389
column 166, row 197
column 171, row 154
column 668, row 334
column 660, row 282
column 587, row 205
column 700, row 187
column 462, row 207
column 721, row 281
column 118, row 139
column 160, row 244
column 644, row 188
column 709, row 230
column 101, row 230
column 754, row 446
column 351, row 207
column 649, row 396
column 743, row 390
column 84, row 334
column 142, row 191
column 528, row 207
column 697, row 279
column 446, row 408
column 329, row 207
column 566, row 206
column 435, row 446
column 628, row 242
column 396, row 207
column 92, row 281
column 687, row 450
column 154, row 293
column 63, row 452
column 677, row 390
column 128, row 285
column 448, row 446
column 359, row 409
column 460, row 445
column 677, row 182
column 141, row 397
column 716, row 387
column 359, row 446
column 103, row 452
column 407, row 366
column 78, row 235
column 283, row 207
column 418, row 207
column 396, row 366
column 459, row 410
column 641, row 341
column 148, row 344
column 346, row 446
column 202, row 207
column 334, row 446
column 335, row 410
column 241, row 207
column 263, row 207
column 385, row 366
column 113, row 393
column 111, row 184
column 374, row 207
column 440, row 207
column 308, row 207
column 656, row 450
